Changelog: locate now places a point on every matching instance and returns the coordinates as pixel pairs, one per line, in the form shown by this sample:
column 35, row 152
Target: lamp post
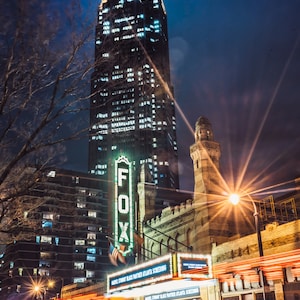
column 61, row 288
column 234, row 199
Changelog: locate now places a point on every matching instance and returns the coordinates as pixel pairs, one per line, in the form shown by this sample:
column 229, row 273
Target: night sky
column 238, row 64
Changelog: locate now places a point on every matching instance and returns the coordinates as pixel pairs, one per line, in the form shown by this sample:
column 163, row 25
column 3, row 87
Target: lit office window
column 91, row 250
column 90, row 257
column 92, row 213
column 46, row 239
column 90, row 274
column 79, row 242
column 81, row 202
column 91, row 236
column 78, row 265
column 46, row 224
column 44, row 272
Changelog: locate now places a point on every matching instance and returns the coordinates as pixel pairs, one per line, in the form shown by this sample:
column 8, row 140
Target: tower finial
column 203, row 130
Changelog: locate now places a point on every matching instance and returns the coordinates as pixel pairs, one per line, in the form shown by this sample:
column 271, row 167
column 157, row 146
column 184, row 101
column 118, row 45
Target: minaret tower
column 209, row 219
column 205, row 154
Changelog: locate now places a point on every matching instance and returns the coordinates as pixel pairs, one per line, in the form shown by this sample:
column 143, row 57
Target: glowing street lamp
column 235, row 199
column 51, row 284
column 38, row 291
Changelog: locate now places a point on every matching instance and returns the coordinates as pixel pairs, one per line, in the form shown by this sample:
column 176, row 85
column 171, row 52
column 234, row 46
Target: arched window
column 188, row 238
column 160, row 247
column 169, row 245
column 152, row 254
column 176, row 241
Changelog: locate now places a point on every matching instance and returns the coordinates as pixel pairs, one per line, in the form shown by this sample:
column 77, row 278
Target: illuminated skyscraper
column 132, row 109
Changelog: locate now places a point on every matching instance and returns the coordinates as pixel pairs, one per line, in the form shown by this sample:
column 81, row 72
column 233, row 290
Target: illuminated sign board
column 194, row 265
column 123, row 206
column 184, row 293
column 170, row 266
column 152, row 271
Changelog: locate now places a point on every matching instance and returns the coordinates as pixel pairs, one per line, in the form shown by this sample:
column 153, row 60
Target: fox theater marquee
column 172, row 276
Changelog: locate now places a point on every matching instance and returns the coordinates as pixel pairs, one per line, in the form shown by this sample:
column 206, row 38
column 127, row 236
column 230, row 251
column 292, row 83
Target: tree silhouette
column 44, row 84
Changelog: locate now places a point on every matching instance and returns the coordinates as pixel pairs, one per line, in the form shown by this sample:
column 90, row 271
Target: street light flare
column 51, row 284
column 37, row 288
column 234, row 199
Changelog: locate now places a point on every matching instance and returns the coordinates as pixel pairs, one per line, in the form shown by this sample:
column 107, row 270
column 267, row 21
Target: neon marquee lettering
column 123, row 207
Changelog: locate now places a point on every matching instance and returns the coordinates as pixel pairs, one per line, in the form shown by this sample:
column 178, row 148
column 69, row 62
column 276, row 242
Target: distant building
column 132, row 110
column 67, row 243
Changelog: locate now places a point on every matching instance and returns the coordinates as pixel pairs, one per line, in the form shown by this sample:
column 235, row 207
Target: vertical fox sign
column 123, row 206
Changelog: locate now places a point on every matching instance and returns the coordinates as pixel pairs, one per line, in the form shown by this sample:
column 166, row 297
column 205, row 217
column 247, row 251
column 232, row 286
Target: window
column 90, row 257
column 79, row 280
column 51, row 174
column 44, row 272
column 151, row 250
column 48, row 216
column 160, row 246
column 91, row 236
column 46, row 224
column 170, row 244
column 46, row 239
column 46, row 255
column 44, row 264
column 92, row 213
column 91, row 250
column 92, row 228
column 188, row 237
column 81, row 202
column 80, row 242
column 78, row 265
column 176, row 241
column 90, row 274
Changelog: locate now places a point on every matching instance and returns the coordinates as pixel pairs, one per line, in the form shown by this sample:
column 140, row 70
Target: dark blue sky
column 237, row 62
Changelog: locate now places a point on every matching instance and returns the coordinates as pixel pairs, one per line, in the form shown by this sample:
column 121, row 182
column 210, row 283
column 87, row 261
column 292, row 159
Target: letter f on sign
column 122, row 176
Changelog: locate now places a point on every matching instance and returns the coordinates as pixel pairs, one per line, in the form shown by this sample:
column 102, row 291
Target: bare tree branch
column 44, row 84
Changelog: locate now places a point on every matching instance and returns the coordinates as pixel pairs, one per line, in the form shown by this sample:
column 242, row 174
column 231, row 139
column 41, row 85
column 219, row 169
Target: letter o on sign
column 123, row 204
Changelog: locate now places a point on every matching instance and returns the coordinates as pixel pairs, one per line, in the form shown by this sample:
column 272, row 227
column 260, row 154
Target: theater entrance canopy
column 172, row 276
